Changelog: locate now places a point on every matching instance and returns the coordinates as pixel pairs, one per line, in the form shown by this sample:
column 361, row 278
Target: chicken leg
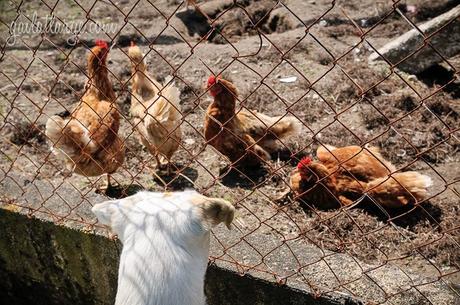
column 162, row 161
column 106, row 187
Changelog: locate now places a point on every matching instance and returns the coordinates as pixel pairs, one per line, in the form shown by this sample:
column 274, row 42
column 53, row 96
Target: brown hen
column 247, row 138
column 364, row 164
column 330, row 187
column 88, row 139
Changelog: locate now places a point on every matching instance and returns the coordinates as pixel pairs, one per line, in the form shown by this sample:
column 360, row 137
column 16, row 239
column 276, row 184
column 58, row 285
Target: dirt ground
column 349, row 103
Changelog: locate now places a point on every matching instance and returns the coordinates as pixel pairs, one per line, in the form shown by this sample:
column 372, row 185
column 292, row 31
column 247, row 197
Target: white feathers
column 164, row 106
column 165, row 245
column 427, row 181
column 69, row 136
column 155, row 109
column 53, row 130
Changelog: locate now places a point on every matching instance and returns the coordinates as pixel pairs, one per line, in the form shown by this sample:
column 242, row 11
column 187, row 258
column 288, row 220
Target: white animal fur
column 165, row 240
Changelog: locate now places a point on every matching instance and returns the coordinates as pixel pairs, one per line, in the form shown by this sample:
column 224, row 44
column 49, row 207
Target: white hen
column 156, row 114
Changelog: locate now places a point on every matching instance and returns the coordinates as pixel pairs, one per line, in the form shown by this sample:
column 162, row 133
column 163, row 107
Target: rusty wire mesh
column 336, row 95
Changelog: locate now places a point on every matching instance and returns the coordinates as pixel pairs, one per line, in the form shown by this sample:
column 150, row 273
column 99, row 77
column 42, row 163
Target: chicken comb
column 212, row 80
column 304, row 162
column 102, row 44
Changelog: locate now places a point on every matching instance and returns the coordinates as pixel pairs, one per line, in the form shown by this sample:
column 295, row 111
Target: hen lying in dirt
column 343, row 175
column 88, row 138
column 247, row 138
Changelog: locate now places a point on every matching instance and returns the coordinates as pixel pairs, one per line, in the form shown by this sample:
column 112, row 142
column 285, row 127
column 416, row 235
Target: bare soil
column 413, row 119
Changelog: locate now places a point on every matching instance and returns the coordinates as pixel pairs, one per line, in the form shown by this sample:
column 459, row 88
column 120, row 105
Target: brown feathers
column 344, row 175
column 88, row 140
column 246, row 138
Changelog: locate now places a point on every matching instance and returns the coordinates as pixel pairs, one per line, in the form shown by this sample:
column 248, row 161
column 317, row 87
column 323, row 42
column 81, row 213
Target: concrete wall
column 41, row 263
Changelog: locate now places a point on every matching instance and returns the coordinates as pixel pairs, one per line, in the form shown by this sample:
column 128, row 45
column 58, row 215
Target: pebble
column 189, row 141
column 289, row 79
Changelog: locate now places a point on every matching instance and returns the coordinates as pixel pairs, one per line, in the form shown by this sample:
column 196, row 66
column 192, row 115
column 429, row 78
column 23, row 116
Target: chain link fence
column 304, row 60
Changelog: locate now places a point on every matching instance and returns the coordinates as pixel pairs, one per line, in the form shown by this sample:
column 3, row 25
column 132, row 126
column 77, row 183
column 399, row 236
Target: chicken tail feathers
column 400, row 189
column 69, row 136
column 285, row 127
column 165, row 108
column 171, row 92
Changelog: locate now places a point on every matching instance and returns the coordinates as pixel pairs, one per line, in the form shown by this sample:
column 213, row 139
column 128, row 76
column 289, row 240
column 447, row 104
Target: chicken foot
column 256, row 149
column 106, row 187
column 285, row 195
column 162, row 163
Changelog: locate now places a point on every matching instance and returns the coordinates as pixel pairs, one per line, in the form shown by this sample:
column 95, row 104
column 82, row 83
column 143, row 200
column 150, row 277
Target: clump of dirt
column 124, row 102
column 188, row 93
column 441, row 76
column 23, row 133
column 375, row 120
column 244, row 19
column 386, row 109
column 60, row 90
column 442, row 108
column 414, row 132
column 405, row 124
column 341, row 31
column 356, row 79
column 237, row 23
column 427, row 9
column 393, row 29
column 406, row 102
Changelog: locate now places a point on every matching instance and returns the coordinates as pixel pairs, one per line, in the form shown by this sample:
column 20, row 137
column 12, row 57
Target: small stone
column 189, row 141
column 289, row 79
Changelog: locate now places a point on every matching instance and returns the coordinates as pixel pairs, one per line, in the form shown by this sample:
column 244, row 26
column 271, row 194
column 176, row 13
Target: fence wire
column 303, row 62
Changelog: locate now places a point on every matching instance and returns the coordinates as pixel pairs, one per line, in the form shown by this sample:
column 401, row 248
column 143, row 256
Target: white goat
column 165, row 240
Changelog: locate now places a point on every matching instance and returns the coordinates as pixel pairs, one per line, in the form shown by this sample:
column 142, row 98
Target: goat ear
column 216, row 210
